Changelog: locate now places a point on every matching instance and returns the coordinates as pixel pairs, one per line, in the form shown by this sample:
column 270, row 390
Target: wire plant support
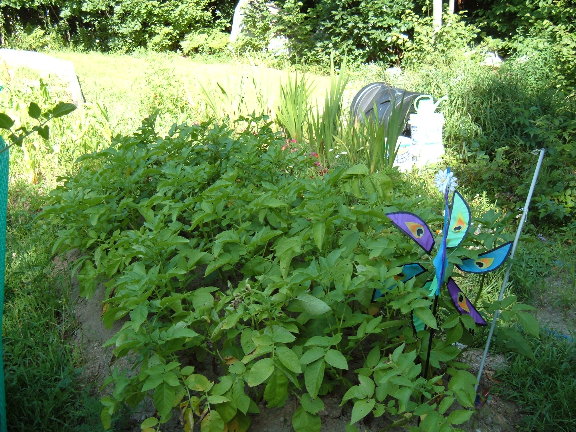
column 507, row 274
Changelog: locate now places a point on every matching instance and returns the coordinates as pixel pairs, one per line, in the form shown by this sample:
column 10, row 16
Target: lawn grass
column 42, row 367
column 544, row 387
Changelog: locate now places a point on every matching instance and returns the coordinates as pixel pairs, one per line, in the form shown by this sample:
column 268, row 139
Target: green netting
column 4, row 159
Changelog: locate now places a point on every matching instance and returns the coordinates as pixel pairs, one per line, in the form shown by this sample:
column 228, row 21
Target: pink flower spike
column 314, row 154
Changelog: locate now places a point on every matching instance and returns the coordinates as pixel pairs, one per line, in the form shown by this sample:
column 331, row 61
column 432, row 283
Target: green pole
column 4, row 160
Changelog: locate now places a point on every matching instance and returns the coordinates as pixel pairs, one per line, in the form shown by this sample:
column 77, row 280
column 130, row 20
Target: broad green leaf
column 227, row 410
column 178, row 332
column 5, row 121
column 515, row 341
column 318, row 232
column 202, row 299
column 288, row 245
column 216, row 399
column 149, row 422
column 336, row 359
column 289, row 359
column 312, row 354
column 324, row 341
column 303, row 421
column 276, row 391
column 34, row 111
column 446, row 403
column 313, row 377
column 138, row 316
column 43, row 131
column 403, row 395
column 356, row 170
column 271, row 202
column 373, row 357
column 425, row 314
column 313, row 305
column 61, row 109
column 361, row 409
column 223, row 386
column 353, row 392
column 152, row 382
column 460, row 416
column 260, row 372
column 164, row 398
column 286, row 249
column 199, row 383
column 529, row 323
column 397, row 353
column 212, row 423
column 187, row 370
column 313, row 406
column 281, row 335
column 366, row 387
column 431, row 422
column 462, row 384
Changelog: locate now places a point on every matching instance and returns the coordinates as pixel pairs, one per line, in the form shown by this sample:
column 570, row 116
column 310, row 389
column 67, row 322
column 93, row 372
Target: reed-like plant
column 292, row 112
column 323, row 126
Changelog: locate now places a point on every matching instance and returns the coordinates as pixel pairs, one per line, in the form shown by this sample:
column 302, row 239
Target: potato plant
column 243, row 277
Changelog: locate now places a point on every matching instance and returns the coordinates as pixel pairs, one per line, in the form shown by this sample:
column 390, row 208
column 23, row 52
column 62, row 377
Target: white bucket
column 426, row 131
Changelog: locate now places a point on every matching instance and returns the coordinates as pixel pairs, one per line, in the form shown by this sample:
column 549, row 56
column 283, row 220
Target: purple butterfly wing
column 462, row 304
column 415, row 228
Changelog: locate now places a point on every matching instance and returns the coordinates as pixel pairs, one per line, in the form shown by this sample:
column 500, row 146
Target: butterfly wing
column 462, row 304
column 459, row 221
column 415, row 228
column 488, row 261
column 409, row 271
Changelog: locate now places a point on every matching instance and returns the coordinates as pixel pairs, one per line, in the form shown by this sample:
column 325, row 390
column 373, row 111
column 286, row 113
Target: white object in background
column 492, row 59
column 426, row 127
column 405, row 158
column 238, row 20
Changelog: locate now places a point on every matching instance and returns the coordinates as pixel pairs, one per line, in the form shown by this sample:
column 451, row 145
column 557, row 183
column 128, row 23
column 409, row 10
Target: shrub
column 357, row 31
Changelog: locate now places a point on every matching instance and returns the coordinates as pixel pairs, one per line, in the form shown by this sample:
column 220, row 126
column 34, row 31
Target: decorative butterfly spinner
column 456, row 226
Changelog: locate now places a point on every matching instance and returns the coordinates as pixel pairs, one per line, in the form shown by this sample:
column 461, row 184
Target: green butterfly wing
column 459, row 221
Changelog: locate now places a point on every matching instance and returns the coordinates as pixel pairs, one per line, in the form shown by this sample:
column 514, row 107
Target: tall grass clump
column 323, row 126
column 292, row 111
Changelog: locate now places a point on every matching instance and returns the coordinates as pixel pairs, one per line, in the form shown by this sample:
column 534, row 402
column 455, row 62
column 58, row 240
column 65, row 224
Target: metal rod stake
column 507, row 275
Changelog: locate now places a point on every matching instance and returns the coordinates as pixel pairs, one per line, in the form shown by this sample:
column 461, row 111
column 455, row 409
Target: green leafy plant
column 17, row 136
column 224, row 248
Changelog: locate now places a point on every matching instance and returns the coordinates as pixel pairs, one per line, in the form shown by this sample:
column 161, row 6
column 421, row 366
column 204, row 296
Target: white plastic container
column 426, row 127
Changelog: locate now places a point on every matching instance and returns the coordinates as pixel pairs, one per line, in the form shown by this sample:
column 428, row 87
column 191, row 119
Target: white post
column 451, row 6
column 437, row 14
